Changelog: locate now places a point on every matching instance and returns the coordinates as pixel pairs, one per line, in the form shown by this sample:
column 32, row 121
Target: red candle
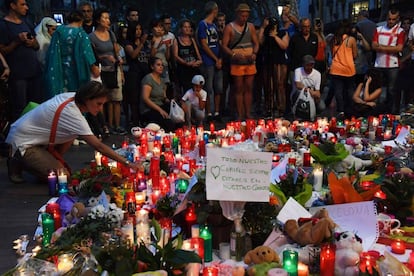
column 366, row 263
column 164, row 185
column 54, row 209
column 327, row 259
column 155, row 172
column 398, row 247
column 202, row 148
column 104, row 160
column 388, row 149
column 210, row 271
column 155, row 196
column 212, row 129
column 306, row 159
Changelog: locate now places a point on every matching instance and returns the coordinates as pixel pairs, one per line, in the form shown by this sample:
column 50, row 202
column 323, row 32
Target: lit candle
column 317, row 178
column 182, row 185
column 290, row 262
column 327, row 259
column 128, row 231
column 303, row 269
column 65, row 263
column 155, row 196
column 143, row 232
column 398, row 247
column 48, row 227
column 387, row 134
column 104, row 160
column 205, row 233
column 387, row 149
column 140, row 197
column 53, row 208
column 197, row 244
column 306, row 159
column 98, row 158
column 52, row 181
column 130, row 202
column 366, row 263
column 210, row 271
column 63, row 183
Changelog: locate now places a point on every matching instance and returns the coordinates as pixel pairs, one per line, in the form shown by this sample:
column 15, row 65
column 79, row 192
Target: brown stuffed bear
column 311, row 231
column 261, row 254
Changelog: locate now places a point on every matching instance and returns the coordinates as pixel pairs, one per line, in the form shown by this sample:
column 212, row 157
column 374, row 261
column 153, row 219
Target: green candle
column 205, row 233
column 290, row 262
column 182, row 185
column 48, row 226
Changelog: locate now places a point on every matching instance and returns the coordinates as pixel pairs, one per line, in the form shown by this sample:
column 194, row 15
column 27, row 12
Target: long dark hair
column 89, row 91
column 344, row 28
column 131, row 31
column 376, row 79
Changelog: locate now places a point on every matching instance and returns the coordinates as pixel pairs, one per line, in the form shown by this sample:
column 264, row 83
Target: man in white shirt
column 388, row 42
column 194, row 101
column 308, row 77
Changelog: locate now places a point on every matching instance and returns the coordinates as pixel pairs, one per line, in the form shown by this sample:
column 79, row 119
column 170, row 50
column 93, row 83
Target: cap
column 198, row 79
column 243, row 7
column 307, row 59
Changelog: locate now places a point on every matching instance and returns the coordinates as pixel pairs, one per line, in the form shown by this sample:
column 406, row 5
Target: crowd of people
column 210, row 67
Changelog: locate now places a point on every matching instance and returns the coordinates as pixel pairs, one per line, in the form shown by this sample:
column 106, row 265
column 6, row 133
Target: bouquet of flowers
column 293, row 184
column 167, row 205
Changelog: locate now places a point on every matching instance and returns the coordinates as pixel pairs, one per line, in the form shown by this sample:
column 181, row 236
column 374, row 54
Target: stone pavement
column 19, row 203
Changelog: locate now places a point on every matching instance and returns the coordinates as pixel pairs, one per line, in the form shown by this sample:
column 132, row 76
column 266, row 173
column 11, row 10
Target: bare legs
column 243, row 89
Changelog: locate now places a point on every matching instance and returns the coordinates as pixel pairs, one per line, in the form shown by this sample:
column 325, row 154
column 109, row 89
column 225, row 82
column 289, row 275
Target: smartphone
column 318, row 21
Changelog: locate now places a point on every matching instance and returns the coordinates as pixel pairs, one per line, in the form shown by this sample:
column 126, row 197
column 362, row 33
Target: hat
column 243, row 7
column 198, row 79
column 307, row 59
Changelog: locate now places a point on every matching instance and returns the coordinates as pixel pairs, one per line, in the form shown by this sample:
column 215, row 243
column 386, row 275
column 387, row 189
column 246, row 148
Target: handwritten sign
column 359, row 217
column 238, row 175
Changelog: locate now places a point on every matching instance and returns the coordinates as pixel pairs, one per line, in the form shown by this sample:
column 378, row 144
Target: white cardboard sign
column 234, row 175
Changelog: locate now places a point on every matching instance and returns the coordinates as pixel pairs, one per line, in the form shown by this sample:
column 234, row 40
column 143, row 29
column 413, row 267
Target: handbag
column 177, row 114
column 304, row 106
column 110, row 78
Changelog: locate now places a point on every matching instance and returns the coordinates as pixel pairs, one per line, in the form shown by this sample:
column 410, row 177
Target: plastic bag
column 304, row 106
column 177, row 114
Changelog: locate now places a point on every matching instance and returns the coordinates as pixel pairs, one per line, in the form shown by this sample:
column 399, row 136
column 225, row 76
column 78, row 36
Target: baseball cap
column 307, row 59
column 198, row 79
column 242, row 7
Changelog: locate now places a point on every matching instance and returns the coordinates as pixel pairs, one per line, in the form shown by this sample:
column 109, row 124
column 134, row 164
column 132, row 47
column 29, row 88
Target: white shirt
column 312, row 80
column 33, row 128
column 193, row 99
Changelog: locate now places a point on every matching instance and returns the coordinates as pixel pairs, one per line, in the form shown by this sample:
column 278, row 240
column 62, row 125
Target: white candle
column 317, row 179
column 98, row 157
column 62, row 178
column 65, row 263
column 128, row 230
column 142, row 215
column 140, row 197
column 371, row 134
column 143, row 232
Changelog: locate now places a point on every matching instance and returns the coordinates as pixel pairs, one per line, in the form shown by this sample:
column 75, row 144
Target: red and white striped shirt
column 388, row 37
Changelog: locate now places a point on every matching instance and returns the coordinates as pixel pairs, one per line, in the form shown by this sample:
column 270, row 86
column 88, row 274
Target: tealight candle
column 398, row 247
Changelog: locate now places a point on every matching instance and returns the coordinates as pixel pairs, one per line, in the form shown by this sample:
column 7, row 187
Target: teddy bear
column 312, row 230
column 263, row 258
column 77, row 212
column 348, row 249
column 261, row 254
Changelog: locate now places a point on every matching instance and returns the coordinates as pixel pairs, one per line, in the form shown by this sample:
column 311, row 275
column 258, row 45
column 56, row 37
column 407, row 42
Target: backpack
column 304, row 105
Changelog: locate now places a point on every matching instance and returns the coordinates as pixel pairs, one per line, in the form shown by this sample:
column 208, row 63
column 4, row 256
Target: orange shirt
column 343, row 61
column 320, row 54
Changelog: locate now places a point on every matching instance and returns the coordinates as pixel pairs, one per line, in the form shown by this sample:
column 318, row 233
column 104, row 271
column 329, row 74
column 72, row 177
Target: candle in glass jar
column 398, row 247
column 65, row 263
column 52, row 182
column 205, row 233
column 303, row 269
column 290, row 262
column 62, row 183
column 327, row 259
column 317, row 178
column 210, row 271
column 48, row 227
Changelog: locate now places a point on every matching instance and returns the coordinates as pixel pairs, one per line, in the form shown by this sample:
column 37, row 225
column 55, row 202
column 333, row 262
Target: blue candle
column 52, row 181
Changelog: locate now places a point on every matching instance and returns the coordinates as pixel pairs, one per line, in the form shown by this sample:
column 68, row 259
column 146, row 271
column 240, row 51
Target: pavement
column 19, row 203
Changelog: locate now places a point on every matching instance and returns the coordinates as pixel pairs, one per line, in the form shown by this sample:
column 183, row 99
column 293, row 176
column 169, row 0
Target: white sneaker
column 75, row 142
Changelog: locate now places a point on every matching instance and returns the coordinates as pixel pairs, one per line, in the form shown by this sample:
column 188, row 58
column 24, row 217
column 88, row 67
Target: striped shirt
column 388, row 37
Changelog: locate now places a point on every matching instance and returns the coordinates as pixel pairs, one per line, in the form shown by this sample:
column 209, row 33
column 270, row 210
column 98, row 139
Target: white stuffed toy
column 348, row 249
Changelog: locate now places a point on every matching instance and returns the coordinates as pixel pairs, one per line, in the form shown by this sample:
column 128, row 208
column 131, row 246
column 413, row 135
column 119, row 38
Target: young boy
column 194, row 101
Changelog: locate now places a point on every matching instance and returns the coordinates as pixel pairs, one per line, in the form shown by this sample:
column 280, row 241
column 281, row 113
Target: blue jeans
column 344, row 88
column 214, row 84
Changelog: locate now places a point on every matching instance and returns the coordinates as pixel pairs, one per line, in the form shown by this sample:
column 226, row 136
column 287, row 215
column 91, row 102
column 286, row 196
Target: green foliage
column 328, row 153
column 259, row 217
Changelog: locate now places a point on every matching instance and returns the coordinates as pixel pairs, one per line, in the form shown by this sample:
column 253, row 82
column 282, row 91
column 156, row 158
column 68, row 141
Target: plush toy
column 77, row 212
column 348, row 249
column 310, row 230
column 261, row 254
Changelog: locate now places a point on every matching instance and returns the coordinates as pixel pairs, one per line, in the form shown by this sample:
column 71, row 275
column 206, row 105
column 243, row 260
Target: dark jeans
column 344, row 88
column 22, row 92
column 389, row 77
